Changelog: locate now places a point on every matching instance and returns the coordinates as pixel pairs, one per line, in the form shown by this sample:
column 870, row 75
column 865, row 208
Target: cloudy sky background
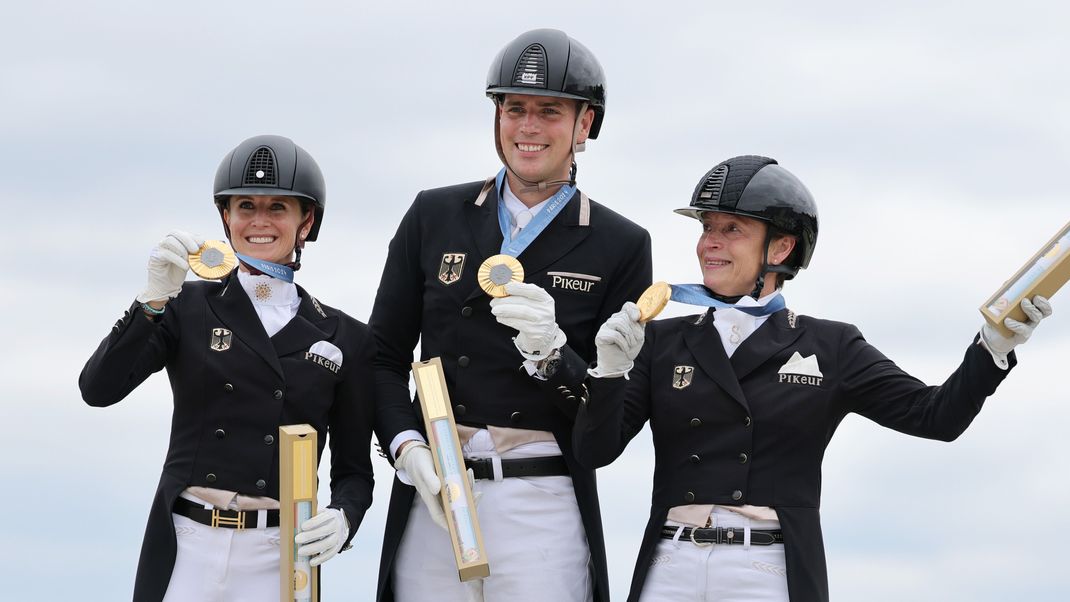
column 933, row 135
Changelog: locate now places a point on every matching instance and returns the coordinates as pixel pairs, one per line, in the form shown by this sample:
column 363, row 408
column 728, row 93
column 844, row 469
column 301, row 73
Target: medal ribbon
column 514, row 247
column 696, row 294
column 274, row 270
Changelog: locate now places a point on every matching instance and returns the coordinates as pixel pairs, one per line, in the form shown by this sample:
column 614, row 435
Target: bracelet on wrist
column 152, row 311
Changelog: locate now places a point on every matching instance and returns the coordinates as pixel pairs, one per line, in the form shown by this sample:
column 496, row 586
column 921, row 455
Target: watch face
column 550, row 365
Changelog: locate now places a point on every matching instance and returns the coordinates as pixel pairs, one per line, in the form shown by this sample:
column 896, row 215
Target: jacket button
column 742, row 458
column 515, row 417
column 746, row 421
column 466, row 312
column 459, row 409
column 278, row 394
column 210, row 477
column 269, row 439
column 689, row 497
column 696, row 422
column 737, row 495
column 694, row 459
column 228, row 387
column 261, row 483
column 462, row 361
column 220, row 433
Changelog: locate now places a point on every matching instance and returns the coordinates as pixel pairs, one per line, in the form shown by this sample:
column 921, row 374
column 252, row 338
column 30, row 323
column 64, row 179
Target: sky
column 932, row 135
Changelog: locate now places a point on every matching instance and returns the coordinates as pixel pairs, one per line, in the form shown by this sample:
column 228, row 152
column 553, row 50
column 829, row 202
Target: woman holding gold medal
column 246, row 351
column 743, row 399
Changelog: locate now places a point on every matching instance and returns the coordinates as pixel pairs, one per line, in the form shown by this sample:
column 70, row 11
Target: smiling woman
column 743, row 400
column 245, row 356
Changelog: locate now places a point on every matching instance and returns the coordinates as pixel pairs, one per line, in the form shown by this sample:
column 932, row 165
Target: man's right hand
column 168, row 265
column 415, row 459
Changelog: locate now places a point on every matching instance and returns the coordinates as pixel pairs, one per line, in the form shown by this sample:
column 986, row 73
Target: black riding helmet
column 546, row 62
column 758, row 187
column 271, row 165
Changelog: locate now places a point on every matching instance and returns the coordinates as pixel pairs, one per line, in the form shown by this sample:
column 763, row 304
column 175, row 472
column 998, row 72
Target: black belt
column 547, row 466
column 758, row 537
column 227, row 519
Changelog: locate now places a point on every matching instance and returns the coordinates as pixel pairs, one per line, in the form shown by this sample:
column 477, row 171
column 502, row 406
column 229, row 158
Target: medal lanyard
column 514, row 247
column 696, row 294
column 274, row 270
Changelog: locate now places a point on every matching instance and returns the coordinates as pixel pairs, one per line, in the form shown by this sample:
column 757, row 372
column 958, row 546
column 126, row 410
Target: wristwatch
column 547, row 367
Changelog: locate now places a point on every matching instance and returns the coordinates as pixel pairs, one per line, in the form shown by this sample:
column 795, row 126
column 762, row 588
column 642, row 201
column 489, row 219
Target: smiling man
column 514, row 367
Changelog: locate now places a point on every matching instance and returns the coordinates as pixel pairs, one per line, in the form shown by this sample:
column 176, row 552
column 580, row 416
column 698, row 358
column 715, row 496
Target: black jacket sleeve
column 350, row 425
column 137, row 347
column 615, row 412
column 395, row 322
column 882, row 392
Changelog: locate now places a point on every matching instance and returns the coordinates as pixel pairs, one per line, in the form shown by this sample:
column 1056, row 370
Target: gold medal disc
column 496, row 272
column 653, row 300
column 213, row 260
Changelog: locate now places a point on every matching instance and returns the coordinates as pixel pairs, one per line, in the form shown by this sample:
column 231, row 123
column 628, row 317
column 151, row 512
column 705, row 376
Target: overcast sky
column 934, row 136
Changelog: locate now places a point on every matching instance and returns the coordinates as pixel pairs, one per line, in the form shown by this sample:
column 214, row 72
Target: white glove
column 618, row 342
column 999, row 346
column 168, row 265
column 417, row 462
column 323, row 535
column 530, row 310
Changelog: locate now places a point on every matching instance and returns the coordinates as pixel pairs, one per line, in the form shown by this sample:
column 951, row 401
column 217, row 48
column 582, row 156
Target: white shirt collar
column 735, row 326
column 265, row 290
column 516, row 207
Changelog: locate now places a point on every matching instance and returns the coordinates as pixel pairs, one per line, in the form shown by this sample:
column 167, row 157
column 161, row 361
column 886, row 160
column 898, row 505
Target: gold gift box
column 297, row 502
column 1044, row 274
column 457, row 499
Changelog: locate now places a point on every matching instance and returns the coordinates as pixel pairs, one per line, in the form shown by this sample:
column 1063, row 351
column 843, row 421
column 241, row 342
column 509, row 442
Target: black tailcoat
column 229, row 403
column 590, row 259
column 736, row 431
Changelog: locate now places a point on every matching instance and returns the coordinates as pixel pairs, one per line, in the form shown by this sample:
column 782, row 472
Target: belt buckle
column 238, row 522
column 701, row 545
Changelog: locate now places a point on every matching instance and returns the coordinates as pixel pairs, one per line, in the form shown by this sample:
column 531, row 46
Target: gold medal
column 213, row 260
column 496, row 272
column 653, row 300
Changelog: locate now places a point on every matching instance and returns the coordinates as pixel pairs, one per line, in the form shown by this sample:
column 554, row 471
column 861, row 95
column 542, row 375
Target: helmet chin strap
column 543, row 186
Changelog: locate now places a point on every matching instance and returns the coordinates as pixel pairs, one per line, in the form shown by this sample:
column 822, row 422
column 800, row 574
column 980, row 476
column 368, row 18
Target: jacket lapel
column 234, row 309
column 705, row 344
column 307, row 327
column 770, row 338
column 559, row 237
column 486, row 233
